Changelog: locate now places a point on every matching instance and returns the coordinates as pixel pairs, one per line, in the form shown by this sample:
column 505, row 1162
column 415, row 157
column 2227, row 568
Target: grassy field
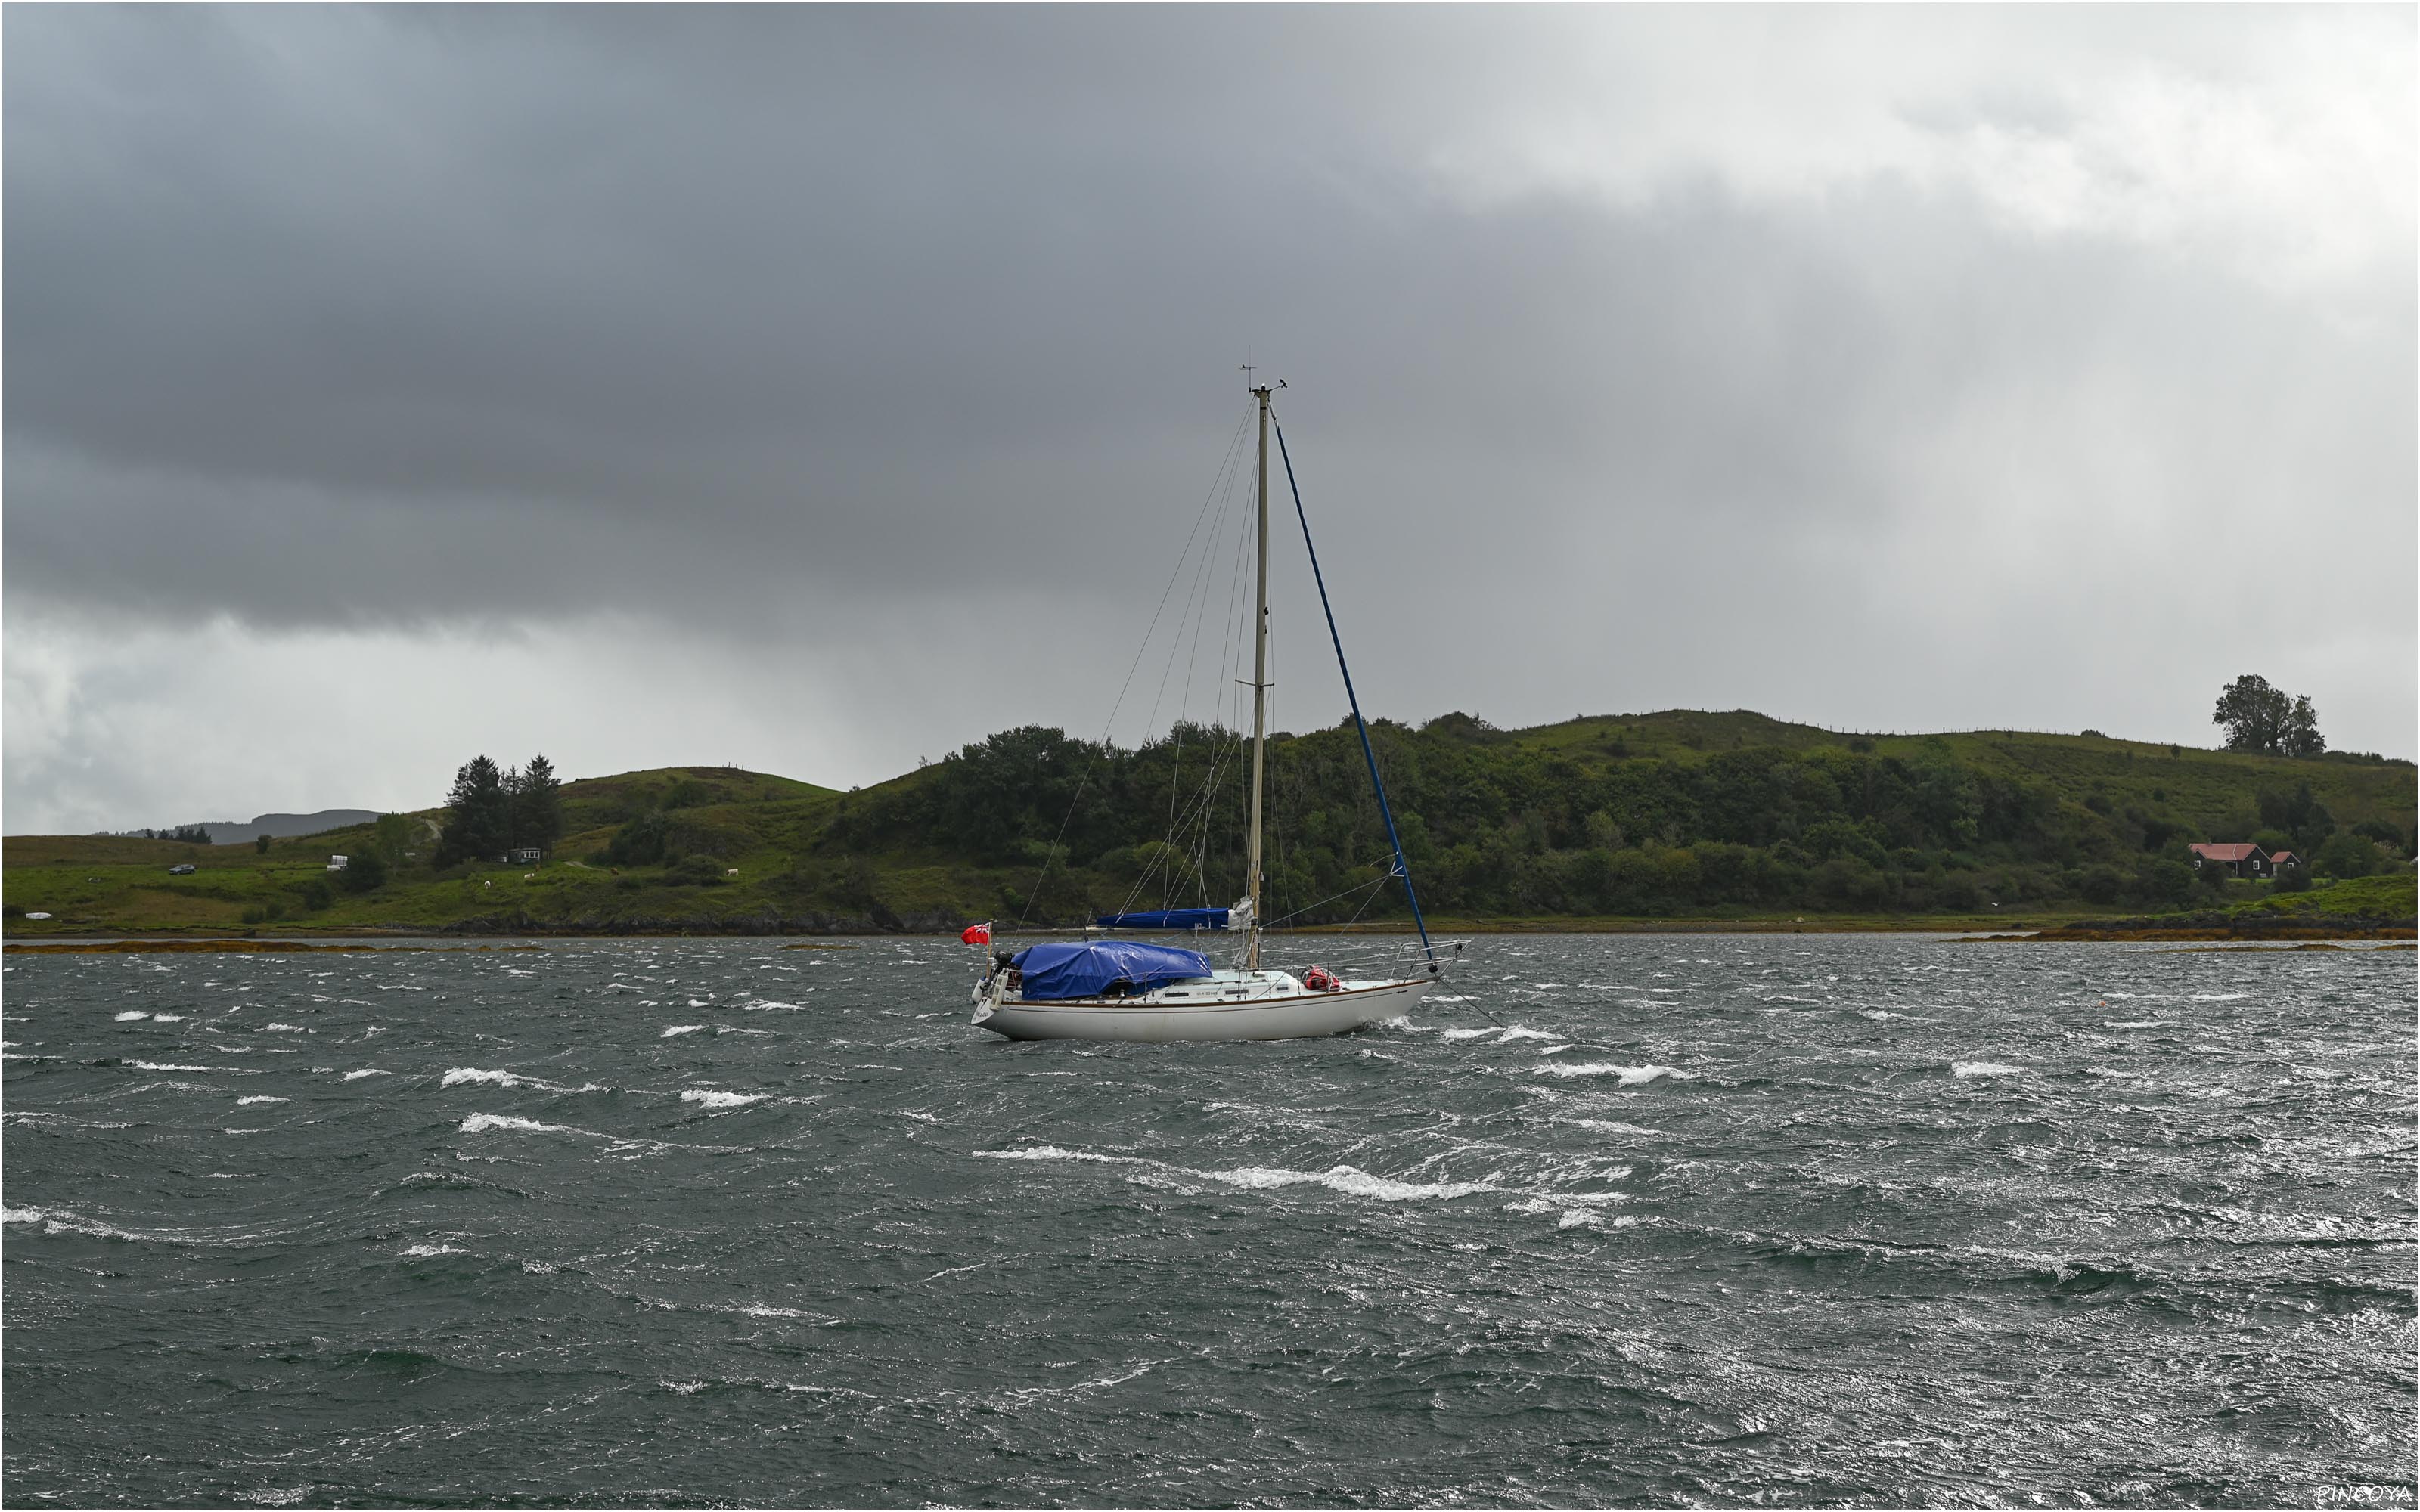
column 774, row 867
column 2389, row 897
column 106, row 885
column 2379, row 907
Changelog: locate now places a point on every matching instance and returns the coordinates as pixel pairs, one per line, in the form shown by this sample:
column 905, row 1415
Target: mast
column 1259, row 699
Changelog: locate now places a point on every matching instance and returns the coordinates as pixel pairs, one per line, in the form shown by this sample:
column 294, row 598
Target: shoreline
column 1438, row 929
column 129, row 942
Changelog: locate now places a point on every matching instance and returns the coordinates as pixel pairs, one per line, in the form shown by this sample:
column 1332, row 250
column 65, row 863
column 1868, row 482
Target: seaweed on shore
column 225, row 947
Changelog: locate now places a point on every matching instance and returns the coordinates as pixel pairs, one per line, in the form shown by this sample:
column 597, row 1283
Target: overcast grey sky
column 821, row 388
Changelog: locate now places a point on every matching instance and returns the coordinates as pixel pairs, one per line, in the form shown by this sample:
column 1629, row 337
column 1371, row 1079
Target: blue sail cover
column 1055, row 972
column 1167, row 919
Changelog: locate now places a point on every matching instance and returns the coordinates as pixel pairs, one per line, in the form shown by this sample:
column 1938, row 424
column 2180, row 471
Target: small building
column 523, row 856
column 2281, row 861
column 338, row 863
column 2237, row 859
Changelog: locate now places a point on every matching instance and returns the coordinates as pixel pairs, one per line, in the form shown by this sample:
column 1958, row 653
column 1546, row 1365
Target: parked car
column 182, row 869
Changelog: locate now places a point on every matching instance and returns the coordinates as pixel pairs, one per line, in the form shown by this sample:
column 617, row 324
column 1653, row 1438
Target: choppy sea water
column 1614, row 1220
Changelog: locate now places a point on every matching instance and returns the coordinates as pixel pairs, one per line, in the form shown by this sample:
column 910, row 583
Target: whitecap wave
column 1630, row 1075
column 1051, row 1152
column 459, row 1075
column 1984, row 1068
column 247, row 1101
column 681, row 1028
column 1518, row 1032
column 482, row 1122
column 60, row 1221
column 764, row 1310
column 357, row 1075
column 130, row 1015
column 1350, row 1180
column 724, row 1099
column 423, row 1251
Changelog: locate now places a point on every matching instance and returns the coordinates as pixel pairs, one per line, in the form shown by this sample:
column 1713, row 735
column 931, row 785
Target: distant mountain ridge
column 287, row 825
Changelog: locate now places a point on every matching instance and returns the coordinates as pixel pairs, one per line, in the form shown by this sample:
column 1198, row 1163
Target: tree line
column 182, row 834
column 490, row 811
column 1503, row 828
column 2260, row 718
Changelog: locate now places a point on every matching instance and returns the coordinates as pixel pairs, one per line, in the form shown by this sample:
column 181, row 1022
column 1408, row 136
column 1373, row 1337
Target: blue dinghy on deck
column 1054, row 973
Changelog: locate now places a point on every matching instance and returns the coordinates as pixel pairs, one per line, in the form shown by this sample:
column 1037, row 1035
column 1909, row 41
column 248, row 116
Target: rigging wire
column 1201, row 805
column 1369, row 886
column 1092, row 761
column 1192, row 660
column 1163, row 866
column 1196, row 610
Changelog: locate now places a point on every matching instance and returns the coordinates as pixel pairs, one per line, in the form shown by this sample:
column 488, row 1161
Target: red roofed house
column 2240, row 860
column 2282, row 859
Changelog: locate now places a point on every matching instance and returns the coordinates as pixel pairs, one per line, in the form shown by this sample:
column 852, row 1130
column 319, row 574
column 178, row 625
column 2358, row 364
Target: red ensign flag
column 977, row 934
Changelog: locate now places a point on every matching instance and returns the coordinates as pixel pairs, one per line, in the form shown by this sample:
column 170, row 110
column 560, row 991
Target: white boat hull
column 1153, row 1019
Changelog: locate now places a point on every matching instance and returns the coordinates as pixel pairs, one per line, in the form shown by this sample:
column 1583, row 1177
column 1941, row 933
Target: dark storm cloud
column 831, row 276
column 1613, row 333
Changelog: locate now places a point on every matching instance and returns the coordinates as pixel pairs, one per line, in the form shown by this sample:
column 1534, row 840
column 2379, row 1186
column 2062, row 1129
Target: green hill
column 1680, row 814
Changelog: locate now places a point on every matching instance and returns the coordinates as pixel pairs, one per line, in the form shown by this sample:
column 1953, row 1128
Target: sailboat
column 1112, row 989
